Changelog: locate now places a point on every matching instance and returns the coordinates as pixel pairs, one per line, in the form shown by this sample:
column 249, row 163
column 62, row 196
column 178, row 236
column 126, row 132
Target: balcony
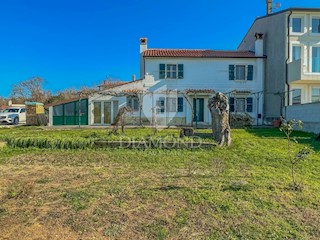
column 299, row 72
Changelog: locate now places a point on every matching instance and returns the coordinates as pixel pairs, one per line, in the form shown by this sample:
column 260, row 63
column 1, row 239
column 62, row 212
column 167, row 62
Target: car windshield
column 11, row 110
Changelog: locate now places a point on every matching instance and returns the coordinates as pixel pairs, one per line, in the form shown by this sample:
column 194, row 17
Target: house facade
column 193, row 75
column 292, row 44
column 175, row 89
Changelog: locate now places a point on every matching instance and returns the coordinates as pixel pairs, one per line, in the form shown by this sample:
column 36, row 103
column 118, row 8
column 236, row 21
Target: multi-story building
column 292, row 46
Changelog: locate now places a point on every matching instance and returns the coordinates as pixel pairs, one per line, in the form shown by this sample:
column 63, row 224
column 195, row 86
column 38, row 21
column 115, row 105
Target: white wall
column 309, row 114
column 209, row 74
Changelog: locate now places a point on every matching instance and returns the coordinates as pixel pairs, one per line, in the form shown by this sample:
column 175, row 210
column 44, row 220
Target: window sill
column 312, row 73
column 297, row 33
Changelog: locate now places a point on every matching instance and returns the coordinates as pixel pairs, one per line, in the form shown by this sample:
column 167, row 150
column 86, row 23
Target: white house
column 179, row 82
column 177, row 85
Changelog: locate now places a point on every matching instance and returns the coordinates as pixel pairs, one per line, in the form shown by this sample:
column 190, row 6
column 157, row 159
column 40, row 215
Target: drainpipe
column 287, row 61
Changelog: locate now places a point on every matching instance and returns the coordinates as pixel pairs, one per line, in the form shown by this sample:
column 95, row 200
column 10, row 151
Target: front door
column 198, row 109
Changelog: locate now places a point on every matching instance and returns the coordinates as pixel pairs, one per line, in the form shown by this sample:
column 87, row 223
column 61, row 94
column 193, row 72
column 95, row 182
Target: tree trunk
column 219, row 108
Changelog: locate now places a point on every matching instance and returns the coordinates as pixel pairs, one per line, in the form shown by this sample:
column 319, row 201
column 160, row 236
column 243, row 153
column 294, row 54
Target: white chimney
column 143, row 44
column 269, row 6
column 258, row 47
column 133, row 77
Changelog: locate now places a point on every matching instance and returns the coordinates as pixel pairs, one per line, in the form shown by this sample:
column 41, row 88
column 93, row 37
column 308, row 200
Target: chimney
column 143, row 44
column 258, row 47
column 269, row 7
column 133, row 77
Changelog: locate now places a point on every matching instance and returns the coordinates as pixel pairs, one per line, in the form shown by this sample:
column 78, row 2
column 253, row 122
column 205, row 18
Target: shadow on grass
column 301, row 137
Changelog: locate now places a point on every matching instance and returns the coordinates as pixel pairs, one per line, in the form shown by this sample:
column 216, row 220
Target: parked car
column 13, row 115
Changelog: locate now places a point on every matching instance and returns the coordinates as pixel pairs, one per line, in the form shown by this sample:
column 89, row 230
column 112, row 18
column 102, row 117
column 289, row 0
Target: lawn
column 240, row 192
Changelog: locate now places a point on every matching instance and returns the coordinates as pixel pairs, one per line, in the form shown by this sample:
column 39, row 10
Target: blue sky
column 71, row 43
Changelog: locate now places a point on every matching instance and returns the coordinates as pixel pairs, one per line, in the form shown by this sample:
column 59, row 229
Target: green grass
column 240, row 192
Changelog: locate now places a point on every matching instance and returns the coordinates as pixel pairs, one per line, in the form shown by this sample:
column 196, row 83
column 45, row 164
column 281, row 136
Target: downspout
column 287, row 61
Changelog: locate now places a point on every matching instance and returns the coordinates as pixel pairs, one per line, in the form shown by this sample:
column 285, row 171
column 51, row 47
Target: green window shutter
column 231, row 72
column 231, row 103
column 162, row 71
column 250, row 104
column 180, row 104
column 180, row 71
column 250, row 73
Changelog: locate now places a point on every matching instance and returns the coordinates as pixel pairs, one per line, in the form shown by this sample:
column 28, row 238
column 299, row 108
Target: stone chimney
column 269, row 6
column 258, row 47
column 143, row 44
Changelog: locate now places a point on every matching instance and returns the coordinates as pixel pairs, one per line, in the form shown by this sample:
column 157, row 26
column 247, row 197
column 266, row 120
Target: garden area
column 56, row 184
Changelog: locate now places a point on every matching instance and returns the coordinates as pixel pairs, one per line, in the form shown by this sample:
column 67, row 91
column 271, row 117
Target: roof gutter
column 288, row 56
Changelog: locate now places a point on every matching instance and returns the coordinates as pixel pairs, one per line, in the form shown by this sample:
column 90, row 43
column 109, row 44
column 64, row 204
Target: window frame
column 162, row 104
column 311, row 58
column 311, row 25
column 249, row 71
column 304, row 20
column 179, row 71
column 318, row 96
column 131, row 103
column 247, row 104
column 292, row 96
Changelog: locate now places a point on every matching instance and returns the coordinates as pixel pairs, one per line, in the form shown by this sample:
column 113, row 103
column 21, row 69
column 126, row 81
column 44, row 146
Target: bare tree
column 30, row 90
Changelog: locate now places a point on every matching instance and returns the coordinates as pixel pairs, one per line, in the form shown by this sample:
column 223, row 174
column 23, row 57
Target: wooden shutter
column 231, row 103
column 162, row 71
column 180, row 104
column 249, row 104
column 180, row 71
column 250, row 73
column 231, row 72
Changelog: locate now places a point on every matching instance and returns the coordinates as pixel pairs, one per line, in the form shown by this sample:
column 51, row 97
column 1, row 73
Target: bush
column 51, row 143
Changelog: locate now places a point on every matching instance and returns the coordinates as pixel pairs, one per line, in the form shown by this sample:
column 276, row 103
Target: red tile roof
column 197, row 53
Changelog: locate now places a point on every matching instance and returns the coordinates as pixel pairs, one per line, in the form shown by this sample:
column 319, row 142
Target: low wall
column 309, row 114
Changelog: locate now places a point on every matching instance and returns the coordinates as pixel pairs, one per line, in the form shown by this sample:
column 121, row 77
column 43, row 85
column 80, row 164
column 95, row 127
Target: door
column 107, row 112
column 22, row 115
column 198, row 109
column 102, row 113
column 97, row 112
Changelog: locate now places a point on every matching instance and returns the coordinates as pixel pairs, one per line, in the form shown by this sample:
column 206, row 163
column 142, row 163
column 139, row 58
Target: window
column 315, row 25
column 69, row 109
column 241, row 104
column 171, row 71
column 315, row 95
column 241, row 72
column 171, row 104
column 161, row 104
column 296, row 53
column 58, row 111
column 133, row 103
column 23, row 110
column 297, row 25
column 315, row 59
column 296, row 96
column 180, row 104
